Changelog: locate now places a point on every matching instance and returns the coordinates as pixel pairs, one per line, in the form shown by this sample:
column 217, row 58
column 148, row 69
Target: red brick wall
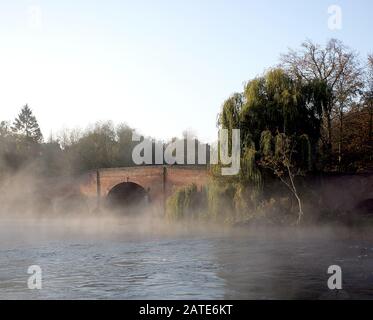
column 182, row 176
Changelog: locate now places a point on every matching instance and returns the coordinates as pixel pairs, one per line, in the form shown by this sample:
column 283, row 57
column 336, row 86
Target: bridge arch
column 127, row 196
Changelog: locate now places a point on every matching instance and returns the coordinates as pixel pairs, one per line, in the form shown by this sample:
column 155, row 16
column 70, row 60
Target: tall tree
column 279, row 118
column 27, row 126
column 337, row 66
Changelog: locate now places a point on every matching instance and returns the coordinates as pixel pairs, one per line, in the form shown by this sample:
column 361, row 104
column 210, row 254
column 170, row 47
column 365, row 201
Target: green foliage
column 245, row 203
column 250, row 172
column 97, row 148
column 291, row 152
column 100, row 146
column 266, row 143
column 220, row 200
column 20, row 143
column 275, row 102
column 26, row 126
column 229, row 117
column 74, row 152
column 271, row 107
column 52, row 161
column 185, row 203
column 230, row 114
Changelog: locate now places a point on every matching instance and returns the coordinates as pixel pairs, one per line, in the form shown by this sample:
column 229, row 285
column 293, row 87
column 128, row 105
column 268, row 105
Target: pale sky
column 160, row 66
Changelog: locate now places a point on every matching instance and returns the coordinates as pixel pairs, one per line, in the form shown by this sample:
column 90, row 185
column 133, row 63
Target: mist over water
column 88, row 255
column 119, row 258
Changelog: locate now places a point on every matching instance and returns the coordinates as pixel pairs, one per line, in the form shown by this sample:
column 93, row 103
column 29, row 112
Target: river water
column 115, row 259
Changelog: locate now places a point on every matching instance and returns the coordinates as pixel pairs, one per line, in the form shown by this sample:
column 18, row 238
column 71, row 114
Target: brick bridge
column 157, row 181
column 338, row 192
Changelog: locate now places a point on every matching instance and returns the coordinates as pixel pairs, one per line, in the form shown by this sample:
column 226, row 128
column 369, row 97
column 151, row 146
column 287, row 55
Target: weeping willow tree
column 270, row 104
column 279, row 119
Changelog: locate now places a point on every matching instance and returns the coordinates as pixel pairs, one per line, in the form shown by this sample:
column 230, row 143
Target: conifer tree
column 27, row 126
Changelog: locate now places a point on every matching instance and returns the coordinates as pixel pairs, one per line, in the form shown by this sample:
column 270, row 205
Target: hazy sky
column 160, row 66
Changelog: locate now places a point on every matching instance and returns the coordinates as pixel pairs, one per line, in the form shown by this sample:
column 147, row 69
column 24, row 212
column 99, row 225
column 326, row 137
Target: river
column 115, row 259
